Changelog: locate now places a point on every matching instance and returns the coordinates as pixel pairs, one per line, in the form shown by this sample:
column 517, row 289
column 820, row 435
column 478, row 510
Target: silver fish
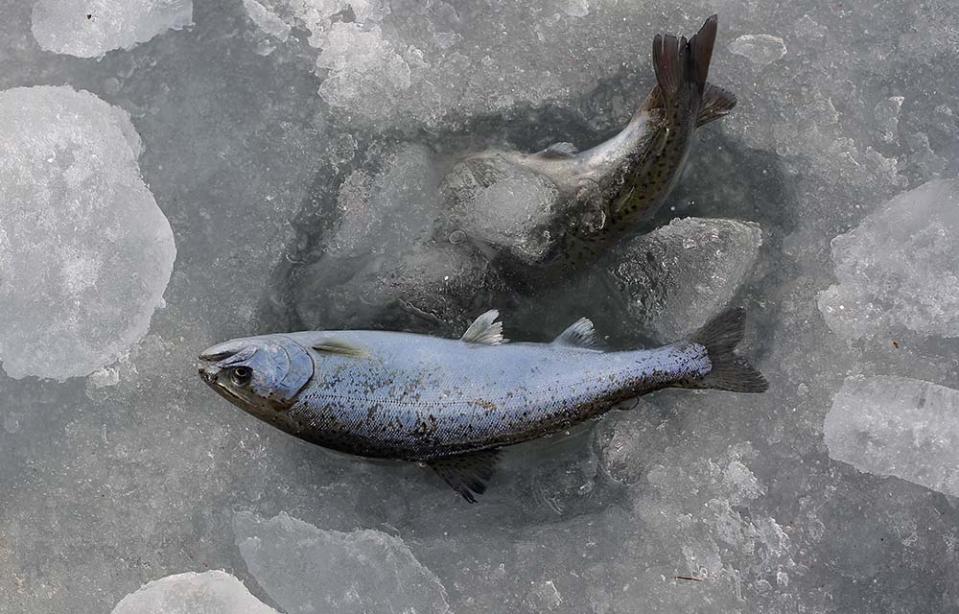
column 452, row 403
column 603, row 193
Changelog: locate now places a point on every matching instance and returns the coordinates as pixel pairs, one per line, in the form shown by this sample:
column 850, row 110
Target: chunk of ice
column 267, row 20
column 90, row 28
column 307, row 569
column 403, row 62
column 85, row 253
column 508, row 207
column 897, row 426
column 899, row 268
column 210, row 592
column 676, row 278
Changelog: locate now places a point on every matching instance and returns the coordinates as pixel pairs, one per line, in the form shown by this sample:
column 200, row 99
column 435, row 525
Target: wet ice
column 678, row 277
column 88, row 29
column 899, row 269
column 355, row 572
column 296, row 147
column 210, row 592
column 85, row 253
column 896, row 426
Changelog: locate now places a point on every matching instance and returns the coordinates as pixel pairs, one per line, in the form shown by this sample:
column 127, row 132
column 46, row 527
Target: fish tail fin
column 679, row 63
column 729, row 370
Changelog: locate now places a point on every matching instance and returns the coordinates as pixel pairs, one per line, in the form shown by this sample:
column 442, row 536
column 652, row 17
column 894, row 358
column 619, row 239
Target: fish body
column 451, row 403
column 603, row 193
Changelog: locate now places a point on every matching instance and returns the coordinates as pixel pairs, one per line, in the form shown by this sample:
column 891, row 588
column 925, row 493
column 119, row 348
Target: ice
column 887, row 114
column 307, row 569
column 267, row 20
column 516, row 211
column 676, row 278
column 896, row 426
column 399, row 63
column 389, row 256
column 299, row 150
column 760, row 49
column 90, row 28
column 85, row 253
column 210, row 592
column 899, row 268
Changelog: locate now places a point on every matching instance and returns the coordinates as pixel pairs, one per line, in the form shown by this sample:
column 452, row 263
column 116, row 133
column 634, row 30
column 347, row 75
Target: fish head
column 261, row 375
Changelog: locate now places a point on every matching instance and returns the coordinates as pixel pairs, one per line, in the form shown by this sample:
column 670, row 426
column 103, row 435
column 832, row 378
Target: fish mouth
column 210, row 376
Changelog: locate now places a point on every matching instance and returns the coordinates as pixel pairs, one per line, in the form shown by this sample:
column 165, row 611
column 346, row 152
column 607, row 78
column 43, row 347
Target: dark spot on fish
column 89, row 16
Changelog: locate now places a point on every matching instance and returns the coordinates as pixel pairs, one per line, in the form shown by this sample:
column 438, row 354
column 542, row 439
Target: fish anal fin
column 485, row 329
column 579, row 334
column 467, row 474
column 559, row 150
column 333, row 345
column 717, row 103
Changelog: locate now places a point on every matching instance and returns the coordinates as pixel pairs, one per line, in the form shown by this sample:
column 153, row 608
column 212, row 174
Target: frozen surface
column 897, row 426
column 210, row 592
column 302, row 152
column 90, row 28
column 900, row 267
column 760, row 49
column 678, row 277
column 356, row 572
column 85, row 253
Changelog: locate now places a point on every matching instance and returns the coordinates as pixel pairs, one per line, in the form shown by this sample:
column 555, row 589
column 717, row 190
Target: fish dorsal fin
column 579, row 334
column 331, row 345
column 467, row 474
column 485, row 329
column 559, row 150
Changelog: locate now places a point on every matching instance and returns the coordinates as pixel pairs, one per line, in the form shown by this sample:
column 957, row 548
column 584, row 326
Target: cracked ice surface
column 85, row 253
column 90, row 28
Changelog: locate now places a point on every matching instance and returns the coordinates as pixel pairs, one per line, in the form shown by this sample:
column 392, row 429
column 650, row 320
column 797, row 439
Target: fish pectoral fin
column 485, row 329
column 559, row 150
column 467, row 474
column 337, row 346
column 717, row 103
column 579, row 334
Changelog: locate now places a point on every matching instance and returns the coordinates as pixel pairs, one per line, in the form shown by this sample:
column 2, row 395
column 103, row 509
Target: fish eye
column 241, row 375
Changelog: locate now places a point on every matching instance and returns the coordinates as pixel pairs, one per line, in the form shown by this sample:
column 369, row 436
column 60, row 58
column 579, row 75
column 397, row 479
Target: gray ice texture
column 176, row 173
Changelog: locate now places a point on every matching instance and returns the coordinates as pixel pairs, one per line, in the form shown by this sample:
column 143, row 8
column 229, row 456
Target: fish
column 604, row 193
column 454, row 404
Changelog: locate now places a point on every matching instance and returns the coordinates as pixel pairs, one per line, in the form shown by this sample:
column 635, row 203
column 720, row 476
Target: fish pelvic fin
column 678, row 62
column 729, row 370
column 467, row 474
column 717, row 103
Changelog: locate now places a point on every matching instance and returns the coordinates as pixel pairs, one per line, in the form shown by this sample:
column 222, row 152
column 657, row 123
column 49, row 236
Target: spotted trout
column 453, row 403
column 597, row 196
